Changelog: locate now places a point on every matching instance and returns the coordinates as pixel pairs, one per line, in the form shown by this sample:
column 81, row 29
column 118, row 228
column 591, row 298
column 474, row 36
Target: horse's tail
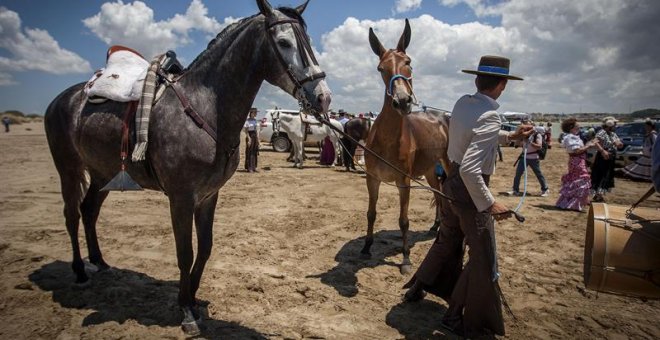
column 59, row 126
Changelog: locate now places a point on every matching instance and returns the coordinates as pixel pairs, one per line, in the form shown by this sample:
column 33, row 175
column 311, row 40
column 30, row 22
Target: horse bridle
column 304, row 47
column 390, row 88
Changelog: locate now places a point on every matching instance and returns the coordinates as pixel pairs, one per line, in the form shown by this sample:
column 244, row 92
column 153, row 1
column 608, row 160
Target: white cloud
column 589, row 56
column 403, row 6
column 33, row 49
column 133, row 25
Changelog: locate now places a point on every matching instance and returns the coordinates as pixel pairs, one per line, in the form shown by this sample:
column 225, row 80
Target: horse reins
column 325, row 121
column 305, row 50
column 303, row 46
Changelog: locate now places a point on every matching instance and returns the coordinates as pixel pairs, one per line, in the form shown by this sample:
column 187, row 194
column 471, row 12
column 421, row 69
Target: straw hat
column 495, row 66
column 609, row 121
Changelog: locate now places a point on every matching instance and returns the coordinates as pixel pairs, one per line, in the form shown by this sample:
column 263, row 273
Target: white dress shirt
column 474, row 133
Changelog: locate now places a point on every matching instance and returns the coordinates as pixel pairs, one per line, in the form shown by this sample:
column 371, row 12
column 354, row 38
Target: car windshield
column 630, row 130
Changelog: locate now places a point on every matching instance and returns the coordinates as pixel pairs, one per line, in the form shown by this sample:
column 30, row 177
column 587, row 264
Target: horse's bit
column 303, row 46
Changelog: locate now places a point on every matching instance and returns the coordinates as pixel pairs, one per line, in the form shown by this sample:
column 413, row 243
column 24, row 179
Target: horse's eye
column 380, row 69
column 284, row 43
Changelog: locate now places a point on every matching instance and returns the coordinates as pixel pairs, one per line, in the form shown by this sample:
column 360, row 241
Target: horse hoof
column 406, row 269
column 190, row 328
column 365, row 256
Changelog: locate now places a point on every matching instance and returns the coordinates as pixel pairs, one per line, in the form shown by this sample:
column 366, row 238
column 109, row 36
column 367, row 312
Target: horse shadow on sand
column 419, row 320
column 387, row 243
column 120, row 295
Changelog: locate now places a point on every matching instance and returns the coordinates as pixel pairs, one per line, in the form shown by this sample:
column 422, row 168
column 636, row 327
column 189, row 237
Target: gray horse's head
column 298, row 72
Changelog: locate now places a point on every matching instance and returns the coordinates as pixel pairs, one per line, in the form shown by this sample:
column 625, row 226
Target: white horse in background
column 295, row 127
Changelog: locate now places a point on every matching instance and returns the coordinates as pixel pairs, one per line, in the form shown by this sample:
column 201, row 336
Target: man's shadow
column 120, row 295
column 387, row 243
column 419, row 320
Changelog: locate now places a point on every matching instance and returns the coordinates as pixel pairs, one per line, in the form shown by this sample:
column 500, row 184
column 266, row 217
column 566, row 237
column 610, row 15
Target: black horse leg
column 373, row 186
column 90, row 208
column 204, row 223
column 434, row 182
column 72, row 187
column 181, row 209
column 404, row 224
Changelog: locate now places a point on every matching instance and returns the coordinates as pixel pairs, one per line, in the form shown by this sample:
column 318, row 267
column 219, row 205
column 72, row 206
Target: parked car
column 278, row 139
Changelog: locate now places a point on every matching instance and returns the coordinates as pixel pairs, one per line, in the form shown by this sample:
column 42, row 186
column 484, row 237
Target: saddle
column 123, row 77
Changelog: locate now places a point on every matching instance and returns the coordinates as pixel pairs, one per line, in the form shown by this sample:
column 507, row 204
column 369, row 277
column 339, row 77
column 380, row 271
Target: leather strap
column 129, row 114
column 190, row 111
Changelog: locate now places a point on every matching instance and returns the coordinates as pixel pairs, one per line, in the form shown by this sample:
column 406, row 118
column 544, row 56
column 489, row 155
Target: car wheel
column 281, row 144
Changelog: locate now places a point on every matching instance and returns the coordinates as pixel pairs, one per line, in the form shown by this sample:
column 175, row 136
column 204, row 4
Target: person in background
column 6, row 121
column 576, row 183
column 327, row 152
column 602, row 170
column 641, row 168
column 472, row 292
column 251, row 129
column 533, row 145
column 548, row 134
column 347, row 147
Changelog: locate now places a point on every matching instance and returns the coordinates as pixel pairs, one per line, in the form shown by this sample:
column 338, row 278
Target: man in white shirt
column 472, row 292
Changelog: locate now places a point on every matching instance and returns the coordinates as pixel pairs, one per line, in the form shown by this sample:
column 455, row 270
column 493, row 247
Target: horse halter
column 390, row 88
column 304, row 48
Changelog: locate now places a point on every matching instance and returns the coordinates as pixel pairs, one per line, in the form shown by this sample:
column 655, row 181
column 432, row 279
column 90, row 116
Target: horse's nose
column 323, row 100
column 403, row 103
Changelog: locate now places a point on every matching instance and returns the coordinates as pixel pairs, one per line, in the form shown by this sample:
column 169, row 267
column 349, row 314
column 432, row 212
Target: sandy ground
column 285, row 262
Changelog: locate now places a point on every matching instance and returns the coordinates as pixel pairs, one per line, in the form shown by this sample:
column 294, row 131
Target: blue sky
column 574, row 56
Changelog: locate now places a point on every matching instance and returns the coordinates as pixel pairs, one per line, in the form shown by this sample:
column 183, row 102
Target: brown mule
column 413, row 142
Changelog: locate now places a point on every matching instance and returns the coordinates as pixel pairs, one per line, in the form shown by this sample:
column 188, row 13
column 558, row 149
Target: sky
column 575, row 56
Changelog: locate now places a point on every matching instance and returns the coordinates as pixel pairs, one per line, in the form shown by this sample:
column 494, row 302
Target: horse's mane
column 234, row 27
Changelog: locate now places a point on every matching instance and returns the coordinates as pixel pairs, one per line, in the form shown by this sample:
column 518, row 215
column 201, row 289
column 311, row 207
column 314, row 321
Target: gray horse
column 186, row 162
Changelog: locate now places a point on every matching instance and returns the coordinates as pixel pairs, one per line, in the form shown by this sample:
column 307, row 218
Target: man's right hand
column 522, row 132
column 500, row 211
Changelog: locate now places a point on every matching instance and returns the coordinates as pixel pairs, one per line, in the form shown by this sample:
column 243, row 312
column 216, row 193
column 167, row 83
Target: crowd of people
column 580, row 186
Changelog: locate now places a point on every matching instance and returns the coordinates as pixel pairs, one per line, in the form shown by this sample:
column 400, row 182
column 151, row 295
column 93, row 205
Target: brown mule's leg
column 204, row 225
column 90, row 209
column 373, row 186
column 433, row 181
column 404, row 224
column 181, row 209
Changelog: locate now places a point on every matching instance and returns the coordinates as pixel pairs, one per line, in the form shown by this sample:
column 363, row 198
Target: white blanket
column 122, row 79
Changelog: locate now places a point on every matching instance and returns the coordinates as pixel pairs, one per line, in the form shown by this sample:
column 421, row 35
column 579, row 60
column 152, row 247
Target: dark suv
column 633, row 133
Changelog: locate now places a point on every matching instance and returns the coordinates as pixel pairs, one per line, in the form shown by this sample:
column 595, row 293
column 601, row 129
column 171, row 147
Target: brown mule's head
column 394, row 67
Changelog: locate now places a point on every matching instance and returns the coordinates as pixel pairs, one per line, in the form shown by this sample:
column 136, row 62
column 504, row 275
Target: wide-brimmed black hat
column 491, row 65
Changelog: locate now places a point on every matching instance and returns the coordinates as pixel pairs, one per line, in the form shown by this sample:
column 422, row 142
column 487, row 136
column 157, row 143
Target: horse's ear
column 404, row 41
column 265, row 8
column 376, row 46
column 300, row 9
